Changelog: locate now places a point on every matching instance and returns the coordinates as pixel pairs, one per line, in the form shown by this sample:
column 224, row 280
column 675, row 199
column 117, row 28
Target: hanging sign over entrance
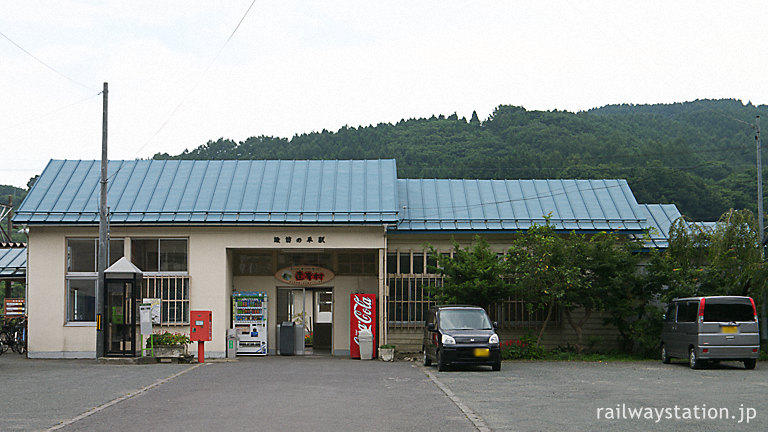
column 304, row 275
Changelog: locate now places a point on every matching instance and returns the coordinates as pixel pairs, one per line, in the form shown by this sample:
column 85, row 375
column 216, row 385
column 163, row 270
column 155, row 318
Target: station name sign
column 304, row 275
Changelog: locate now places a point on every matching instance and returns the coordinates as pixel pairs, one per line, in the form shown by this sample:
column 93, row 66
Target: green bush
column 523, row 348
column 167, row 338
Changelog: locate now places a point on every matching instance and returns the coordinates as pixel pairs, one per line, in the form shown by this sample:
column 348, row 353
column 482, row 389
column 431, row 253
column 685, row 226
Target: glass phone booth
column 121, row 298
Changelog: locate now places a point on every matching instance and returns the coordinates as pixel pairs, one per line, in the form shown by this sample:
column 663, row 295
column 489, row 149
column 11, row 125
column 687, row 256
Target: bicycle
column 14, row 336
column 5, row 342
column 19, row 336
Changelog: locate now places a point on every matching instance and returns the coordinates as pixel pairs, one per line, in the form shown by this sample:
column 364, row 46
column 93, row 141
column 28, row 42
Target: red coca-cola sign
column 362, row 317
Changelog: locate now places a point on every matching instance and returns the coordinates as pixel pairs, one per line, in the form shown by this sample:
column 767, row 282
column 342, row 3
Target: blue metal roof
column 471, row 205
column 659, row 219
column 13, row 263
column 250, row 191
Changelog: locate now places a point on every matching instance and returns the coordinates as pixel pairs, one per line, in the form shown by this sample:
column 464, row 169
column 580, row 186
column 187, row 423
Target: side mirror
column 431, row 326
column 495, row 325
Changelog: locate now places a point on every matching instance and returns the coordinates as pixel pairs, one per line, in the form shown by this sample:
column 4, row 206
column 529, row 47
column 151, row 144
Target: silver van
column 711, row 329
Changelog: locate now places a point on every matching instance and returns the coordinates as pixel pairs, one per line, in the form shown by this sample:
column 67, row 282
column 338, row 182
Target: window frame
column 84, row 276
column 160, row 254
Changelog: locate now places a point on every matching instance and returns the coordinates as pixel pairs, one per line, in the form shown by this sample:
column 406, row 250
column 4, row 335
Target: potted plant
column 387, row 352
column 168, row 345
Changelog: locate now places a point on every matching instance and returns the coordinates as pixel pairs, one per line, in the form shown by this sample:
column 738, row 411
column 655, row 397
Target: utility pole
column 103, row 228
column 759, row 185
column 10, row 216
column 764, row 300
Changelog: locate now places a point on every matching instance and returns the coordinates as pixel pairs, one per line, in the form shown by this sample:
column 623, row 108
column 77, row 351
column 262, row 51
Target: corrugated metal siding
column 173, row 191
column 13, row 263
column 458, row 205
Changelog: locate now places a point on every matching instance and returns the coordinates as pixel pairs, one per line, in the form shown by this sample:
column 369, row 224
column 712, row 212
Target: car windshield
column 464, row 319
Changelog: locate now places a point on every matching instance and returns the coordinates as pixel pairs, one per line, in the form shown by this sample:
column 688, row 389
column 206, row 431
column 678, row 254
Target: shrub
column 523, row 348
column 167, row 338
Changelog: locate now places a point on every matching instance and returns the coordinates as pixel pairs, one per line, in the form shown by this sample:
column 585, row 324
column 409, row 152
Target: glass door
column 323, row 309
column 120, row 326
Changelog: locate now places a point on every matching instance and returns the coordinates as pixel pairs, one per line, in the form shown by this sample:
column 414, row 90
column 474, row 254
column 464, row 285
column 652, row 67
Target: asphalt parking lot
column 317, row 393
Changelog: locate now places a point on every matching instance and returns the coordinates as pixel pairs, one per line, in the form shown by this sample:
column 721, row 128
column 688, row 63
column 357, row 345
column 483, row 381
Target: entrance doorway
column 120, row 337
column 310, row 309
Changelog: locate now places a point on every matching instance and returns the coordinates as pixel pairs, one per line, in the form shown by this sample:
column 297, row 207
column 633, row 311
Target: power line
column 537, row 196
column 46, row 64
column 199, row 80
column 50, row 113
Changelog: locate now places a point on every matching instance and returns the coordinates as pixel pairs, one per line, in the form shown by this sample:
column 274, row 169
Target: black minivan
column 460, row 335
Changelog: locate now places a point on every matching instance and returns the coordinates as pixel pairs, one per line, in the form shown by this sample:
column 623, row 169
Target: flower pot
column 170, row 351
column 387, row 354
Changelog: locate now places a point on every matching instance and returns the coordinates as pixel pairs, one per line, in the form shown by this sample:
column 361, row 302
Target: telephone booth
column 121, row 301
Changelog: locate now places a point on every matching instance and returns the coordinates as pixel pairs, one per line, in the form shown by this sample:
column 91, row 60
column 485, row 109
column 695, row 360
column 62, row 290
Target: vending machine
column 249, row 320
column 362, row 317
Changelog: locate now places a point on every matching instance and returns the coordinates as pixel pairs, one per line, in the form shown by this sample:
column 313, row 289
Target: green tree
column 472, row 276
column 723, row 259
column 542, row 267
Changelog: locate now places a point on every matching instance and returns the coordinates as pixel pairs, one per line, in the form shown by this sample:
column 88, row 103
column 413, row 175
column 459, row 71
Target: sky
column 182, row 73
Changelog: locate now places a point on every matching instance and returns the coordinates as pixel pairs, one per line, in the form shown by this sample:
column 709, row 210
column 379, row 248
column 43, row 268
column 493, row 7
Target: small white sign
column 145, row 316
column 155, row 303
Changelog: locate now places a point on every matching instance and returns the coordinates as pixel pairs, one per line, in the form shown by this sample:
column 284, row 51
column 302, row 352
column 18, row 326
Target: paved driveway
column 315, row 393
column 565, row 396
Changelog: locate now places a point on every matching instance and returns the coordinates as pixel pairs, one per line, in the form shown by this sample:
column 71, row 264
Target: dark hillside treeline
column 698, row 155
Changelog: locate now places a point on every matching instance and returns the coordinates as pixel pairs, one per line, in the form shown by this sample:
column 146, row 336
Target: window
column 408, row 299
column 686, row 312
column 357, row 263
column 82, row 273
column 671, row 313
column 392, row 262
column 254, row 264
column 161, row 260
column 173, row 291
column 304, row 258
column 727, row 312
column 159, row 255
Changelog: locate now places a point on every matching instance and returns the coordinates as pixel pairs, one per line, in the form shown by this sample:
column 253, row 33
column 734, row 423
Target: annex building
column 305, row 235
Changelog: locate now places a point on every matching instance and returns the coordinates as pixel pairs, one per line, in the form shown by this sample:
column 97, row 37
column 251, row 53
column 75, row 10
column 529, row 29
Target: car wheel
column 496, row 366
column 750, row 363
column 665, row 358
column 441, row 366
column 693, row 359
column 427, row 360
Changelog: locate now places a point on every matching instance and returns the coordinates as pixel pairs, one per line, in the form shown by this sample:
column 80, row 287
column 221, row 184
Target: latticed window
column 517, row 312
column 408, row 299
column 173, row 291
column 408, row 296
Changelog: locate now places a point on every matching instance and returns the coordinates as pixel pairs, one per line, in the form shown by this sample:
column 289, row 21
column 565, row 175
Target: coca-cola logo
column 363, row 313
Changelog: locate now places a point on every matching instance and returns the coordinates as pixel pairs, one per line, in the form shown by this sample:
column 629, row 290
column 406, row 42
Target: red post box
column 200, row 325
column 200, row 331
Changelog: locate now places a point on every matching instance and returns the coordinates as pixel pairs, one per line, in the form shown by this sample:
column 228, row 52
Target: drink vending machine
column 249, row 320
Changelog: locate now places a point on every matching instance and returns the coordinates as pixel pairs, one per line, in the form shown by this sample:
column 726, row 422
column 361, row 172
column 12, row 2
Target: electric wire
column 51, row 68
column 197, row 82
column 50, row 113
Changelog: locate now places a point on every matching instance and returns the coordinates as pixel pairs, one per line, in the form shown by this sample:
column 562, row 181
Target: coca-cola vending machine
column 362, row 317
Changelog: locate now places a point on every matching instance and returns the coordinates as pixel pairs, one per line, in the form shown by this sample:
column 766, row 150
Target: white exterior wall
column 211, row 280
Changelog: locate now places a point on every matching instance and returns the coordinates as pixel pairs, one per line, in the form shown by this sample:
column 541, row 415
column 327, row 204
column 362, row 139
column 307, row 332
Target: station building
column 203, row 231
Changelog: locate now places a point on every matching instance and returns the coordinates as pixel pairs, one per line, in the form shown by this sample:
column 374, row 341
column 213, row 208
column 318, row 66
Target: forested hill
column 699, row 155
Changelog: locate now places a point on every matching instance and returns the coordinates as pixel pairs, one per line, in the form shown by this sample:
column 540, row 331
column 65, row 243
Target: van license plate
column 482, row 352
column 729, row 329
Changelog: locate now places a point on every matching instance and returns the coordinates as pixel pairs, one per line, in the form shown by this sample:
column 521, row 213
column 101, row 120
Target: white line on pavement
column 122, row 398
column 474, row 418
